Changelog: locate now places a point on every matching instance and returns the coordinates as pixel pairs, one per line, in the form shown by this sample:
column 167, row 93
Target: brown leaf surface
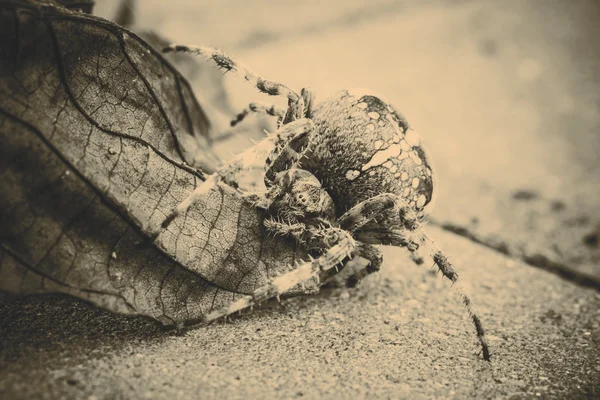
column 95, row 129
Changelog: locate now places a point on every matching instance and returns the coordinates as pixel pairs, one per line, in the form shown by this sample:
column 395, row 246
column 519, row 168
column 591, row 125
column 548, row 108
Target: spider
column 341, row 177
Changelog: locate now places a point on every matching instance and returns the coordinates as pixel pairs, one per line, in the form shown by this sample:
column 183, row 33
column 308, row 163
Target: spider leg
column 272, row 110
column 367, row 261
column 387, row 219
column 449, row 272
column 280, row 152
column 229, row 64
column 295, row 230
column 276, row 111
column 383, row 210
column 389, row 237
column 417, row 257
column 309, row 99
column 373, row 233
column 371, row 254
column 412, row 241
column 271, row 147
column 320, row 268
column 291, row 144
column 318, row 234
column 367, row 211
column 295, row 102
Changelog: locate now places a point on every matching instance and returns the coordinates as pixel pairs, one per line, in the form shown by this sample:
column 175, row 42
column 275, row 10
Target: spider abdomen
column 364, row 147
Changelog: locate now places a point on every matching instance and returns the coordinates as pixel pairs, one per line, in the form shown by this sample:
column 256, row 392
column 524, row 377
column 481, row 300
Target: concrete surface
column 402, row 334
column 506, row 94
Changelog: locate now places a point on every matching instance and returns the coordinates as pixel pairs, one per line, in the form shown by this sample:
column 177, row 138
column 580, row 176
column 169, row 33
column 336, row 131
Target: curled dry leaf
column 95, row 130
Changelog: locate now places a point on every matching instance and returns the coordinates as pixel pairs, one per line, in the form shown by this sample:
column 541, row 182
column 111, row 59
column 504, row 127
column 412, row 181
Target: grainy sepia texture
column 505, row 95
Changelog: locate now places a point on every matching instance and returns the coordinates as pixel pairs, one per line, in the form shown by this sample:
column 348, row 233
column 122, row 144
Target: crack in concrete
column 537, row 260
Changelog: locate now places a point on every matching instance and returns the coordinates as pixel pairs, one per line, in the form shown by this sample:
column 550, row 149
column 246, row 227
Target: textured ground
column 506, row 94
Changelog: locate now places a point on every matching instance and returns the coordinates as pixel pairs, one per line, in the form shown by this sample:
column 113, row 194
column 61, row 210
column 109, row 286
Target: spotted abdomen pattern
column 364, row 147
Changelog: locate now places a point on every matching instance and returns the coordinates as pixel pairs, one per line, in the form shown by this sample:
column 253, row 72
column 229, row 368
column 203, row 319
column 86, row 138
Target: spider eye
column 301, row 198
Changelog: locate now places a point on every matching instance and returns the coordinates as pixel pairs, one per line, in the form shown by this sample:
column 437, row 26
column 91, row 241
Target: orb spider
column 342, row 176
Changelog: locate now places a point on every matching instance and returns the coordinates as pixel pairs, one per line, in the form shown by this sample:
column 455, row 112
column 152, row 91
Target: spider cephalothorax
column 341, row 176
column 298, row 196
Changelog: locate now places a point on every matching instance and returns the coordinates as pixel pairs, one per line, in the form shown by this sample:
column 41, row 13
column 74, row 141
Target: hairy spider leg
column 366, row 218
column 259, row 155
column 310, row 236
column 400, row 239
column 379, row 235
column 229, row 64
column 279, row 152
column 295, row 102
column 386, row 209
column 369, row 220
column 272, row 110
column 375, row 258
column 320, row 268
column 449, row 272
column 292, row 143
column 309, row 100
column 367, row 211
column 276, row 111
column 318, row 238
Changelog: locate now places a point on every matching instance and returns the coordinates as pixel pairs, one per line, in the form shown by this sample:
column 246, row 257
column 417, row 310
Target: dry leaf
column 95, row 129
